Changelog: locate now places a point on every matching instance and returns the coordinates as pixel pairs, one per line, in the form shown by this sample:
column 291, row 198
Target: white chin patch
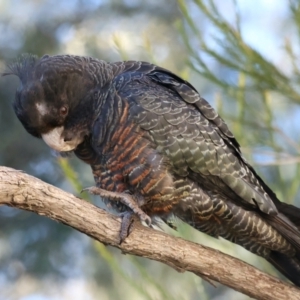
column 55, row 140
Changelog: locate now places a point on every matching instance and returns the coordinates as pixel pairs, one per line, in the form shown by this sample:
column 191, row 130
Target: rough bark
column 23, row 191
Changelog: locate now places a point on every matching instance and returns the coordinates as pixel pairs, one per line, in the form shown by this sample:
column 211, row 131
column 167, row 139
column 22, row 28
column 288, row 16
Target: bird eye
column 63, row 110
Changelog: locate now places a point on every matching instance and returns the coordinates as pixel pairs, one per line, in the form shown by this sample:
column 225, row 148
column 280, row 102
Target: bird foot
column 127, row 200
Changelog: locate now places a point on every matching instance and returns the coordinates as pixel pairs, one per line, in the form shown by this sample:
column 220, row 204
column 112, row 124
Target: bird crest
column 22, row 66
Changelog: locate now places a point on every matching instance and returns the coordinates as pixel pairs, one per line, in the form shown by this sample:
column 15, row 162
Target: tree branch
column 26, row 192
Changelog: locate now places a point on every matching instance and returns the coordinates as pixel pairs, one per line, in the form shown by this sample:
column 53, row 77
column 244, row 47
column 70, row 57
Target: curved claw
column 146, row 219
column 91, row 190
column 127, row 220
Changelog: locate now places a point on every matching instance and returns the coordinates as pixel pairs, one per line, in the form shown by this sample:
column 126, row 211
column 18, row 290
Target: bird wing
column 199, row 144
column 190, row 133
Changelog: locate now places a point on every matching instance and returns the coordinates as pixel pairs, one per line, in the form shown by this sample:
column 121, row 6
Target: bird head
column 54, row 100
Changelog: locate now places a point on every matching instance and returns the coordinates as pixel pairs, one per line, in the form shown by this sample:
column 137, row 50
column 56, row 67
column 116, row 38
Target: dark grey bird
column 156, row 149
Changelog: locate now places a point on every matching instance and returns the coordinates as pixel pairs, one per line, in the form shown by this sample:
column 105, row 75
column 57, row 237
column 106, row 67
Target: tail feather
column 287, row 222
column 274, row 237
column 290, row 211
column 287, row 229
column 288, row 266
